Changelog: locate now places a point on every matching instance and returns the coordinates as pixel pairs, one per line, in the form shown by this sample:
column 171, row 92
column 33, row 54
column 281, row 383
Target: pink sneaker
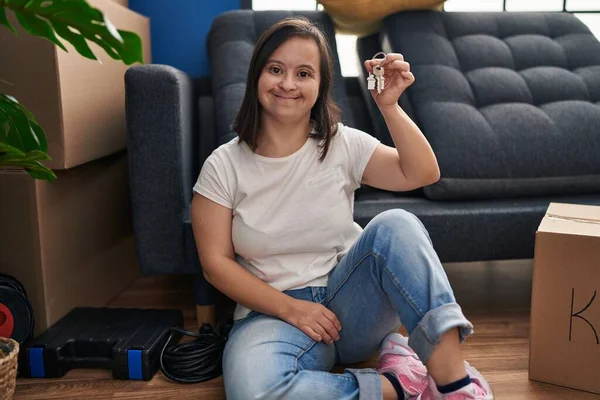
column 398, row 359
column 477, row 389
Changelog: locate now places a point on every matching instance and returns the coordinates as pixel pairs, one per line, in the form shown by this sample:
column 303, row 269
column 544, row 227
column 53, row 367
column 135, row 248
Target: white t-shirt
column 292, row 216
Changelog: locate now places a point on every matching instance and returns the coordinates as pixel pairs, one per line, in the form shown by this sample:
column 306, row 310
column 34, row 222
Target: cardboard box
column 70, row 242
column 80, row 103
column 565, row 305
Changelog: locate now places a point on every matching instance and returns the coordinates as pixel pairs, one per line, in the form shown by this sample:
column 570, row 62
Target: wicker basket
column 9, row 351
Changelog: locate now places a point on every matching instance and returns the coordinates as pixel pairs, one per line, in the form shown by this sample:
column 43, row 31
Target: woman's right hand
column 314, row 319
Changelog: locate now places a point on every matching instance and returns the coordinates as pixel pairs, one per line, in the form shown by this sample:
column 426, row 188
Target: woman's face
column 288, row 86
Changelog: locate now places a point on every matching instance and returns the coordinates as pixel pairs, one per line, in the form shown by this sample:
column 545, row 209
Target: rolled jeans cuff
column 428, row 332
column 369, row 383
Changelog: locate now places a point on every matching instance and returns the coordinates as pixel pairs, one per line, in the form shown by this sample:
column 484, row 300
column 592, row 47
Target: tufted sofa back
column 509, row 101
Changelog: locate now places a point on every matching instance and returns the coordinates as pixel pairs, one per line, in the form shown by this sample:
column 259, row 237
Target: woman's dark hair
column 325, row 112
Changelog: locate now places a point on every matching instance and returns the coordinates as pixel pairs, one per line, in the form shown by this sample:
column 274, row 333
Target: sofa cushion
column 231, row 42
column 472, row 230
column 461, row 231
column 510, row 102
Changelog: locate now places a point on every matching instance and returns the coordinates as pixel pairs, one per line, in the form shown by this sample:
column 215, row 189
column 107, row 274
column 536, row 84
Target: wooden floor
column 495, row 296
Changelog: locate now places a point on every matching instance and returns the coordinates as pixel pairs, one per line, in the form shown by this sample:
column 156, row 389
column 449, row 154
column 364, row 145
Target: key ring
column 380, row 53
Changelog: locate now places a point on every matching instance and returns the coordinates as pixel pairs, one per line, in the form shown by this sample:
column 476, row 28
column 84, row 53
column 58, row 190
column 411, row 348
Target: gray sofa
column 510, row 103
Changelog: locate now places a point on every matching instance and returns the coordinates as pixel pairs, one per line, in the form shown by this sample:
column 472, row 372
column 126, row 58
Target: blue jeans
column 390, row 276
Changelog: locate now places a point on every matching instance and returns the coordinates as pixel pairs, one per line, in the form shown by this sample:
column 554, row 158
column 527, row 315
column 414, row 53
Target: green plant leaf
column 25, row 110
column 18, row 156
column 40, row 135
column 76, row 40
column 16, row 127
column 6, row 149
column 41, row 173
column 4, row 21
column 19, row 133
column 35, row 169
column 30, row 162
column 37, row 130
column 38, row 27
column 132, row 41
column 76, row 21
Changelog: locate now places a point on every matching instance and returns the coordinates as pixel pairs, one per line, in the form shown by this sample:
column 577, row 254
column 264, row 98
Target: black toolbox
column 124, row 340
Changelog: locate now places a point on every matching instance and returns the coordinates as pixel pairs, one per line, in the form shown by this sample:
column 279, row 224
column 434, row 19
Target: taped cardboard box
column 79, row 102
column 70, row 242
column 565, row 305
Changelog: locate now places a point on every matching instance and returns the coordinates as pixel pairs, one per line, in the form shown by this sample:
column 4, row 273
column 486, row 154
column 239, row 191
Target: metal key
column 379, row 78
column 371, row 82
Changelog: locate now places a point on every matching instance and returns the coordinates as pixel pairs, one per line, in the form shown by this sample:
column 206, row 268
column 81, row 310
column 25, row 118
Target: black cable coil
column 197, row 361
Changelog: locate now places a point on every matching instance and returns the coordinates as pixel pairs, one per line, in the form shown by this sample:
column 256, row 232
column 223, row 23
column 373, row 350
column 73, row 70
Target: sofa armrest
column 161, row 110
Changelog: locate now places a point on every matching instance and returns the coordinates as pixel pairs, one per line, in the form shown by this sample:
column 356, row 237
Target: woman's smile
column 285, row 98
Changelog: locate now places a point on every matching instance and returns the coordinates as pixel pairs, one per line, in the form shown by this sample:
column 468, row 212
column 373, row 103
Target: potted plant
column 23, row 143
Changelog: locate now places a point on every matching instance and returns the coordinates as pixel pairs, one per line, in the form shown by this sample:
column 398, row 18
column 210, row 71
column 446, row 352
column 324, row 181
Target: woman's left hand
column 397, row 77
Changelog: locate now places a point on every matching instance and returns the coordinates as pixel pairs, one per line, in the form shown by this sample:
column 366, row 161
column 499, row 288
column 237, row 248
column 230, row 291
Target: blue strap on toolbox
column 124, row 340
